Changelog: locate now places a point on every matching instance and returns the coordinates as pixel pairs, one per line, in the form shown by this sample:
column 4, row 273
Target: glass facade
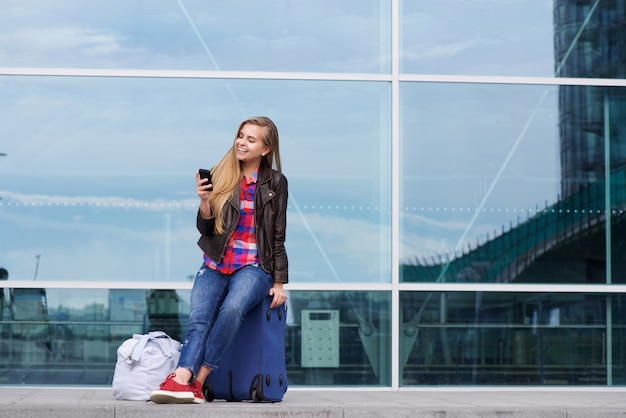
column 456, row 182
column 486, row 338
column 351, row 36
column 108, row 173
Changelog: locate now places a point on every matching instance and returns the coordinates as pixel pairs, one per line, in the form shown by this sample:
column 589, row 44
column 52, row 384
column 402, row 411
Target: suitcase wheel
column 255, row 396
column 207, row 391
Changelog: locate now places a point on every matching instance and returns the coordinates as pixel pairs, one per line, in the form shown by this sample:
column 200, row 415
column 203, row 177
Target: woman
column 242, row 221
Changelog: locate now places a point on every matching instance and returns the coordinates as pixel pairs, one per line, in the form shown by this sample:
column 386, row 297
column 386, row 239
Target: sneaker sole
column 166, row 396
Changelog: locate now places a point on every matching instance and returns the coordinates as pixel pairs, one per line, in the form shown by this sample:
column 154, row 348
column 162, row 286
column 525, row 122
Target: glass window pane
column 477, row 38
column 483, row 338
column 353, row 328
column 70, row 336
column 526, row 168
column 561, row 38
column 484, row 188
column 618, row 338
column 236, row 35
column 98, row 178
column 614, row 130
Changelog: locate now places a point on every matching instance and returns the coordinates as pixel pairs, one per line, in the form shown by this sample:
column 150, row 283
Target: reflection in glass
column 593, row 169
column 339, row 338
column 70, row 336
column 106, row 166
column 588, row 38
column 562, row 38
column 477, row 38
column 482, row 338
column 66, row 336
column 236, row 35
column 480, row 186
column 163, row 312
column 499, row 218
column 617, row 333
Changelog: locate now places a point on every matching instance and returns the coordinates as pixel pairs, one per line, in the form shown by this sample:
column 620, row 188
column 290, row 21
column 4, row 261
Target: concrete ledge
column 18, row 402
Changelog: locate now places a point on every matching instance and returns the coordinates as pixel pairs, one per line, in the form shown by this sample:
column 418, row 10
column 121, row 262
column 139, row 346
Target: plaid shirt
column 241, row 248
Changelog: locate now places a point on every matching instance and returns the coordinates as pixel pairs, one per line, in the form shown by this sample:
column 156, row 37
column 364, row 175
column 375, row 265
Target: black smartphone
column 206, row 174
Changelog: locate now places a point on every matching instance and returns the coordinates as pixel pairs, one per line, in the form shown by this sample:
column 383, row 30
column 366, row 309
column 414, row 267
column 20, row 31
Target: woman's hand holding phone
column 204, row 176
column 204, row 186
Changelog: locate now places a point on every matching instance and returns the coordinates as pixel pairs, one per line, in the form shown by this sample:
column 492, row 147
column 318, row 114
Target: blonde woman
column 242, row 222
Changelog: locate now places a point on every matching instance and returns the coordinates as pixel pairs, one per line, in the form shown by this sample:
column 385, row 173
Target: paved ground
column 18, row 402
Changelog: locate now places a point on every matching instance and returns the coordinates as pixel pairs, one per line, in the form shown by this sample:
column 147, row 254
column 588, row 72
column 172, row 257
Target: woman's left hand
column 279, row 295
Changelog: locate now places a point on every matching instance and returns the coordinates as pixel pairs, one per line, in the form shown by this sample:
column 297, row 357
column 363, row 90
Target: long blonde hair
column 228, row 172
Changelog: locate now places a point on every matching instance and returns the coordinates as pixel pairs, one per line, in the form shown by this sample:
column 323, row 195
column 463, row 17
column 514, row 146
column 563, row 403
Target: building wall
column 455, row 172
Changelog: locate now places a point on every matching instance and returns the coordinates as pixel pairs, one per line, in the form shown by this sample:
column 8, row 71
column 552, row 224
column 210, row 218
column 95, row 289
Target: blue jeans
column 219, row 303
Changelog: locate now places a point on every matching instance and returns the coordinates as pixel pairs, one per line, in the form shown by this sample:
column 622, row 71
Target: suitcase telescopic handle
column 268, row 314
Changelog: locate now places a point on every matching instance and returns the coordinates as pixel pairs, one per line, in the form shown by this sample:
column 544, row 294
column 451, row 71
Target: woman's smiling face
column 250, row 144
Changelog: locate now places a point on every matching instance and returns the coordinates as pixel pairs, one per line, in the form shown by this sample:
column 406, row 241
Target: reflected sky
column 101, row 169
column 453, row 37
column 242, row 35
column 476, row 159
column 99, row 173
column 478, row 37
column 467, row 37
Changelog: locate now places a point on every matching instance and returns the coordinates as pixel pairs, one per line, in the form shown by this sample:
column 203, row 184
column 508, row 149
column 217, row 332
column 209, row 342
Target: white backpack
column 143, row 362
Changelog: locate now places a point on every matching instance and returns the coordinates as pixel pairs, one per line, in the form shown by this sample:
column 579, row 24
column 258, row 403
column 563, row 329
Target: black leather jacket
column 270, row 221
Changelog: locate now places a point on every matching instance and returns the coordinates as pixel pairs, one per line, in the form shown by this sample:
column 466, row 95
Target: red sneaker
column 173, row 392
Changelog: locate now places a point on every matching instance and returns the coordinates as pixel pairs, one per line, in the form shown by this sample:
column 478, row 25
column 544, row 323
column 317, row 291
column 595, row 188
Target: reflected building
column 589, row 42
column 562, row 243
column 163, row 312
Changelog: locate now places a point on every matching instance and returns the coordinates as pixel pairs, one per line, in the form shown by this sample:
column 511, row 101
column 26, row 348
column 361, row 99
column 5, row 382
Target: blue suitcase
column 253, row 367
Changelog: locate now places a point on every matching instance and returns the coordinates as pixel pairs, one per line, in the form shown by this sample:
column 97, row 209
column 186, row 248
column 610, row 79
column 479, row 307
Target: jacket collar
column 265, row 174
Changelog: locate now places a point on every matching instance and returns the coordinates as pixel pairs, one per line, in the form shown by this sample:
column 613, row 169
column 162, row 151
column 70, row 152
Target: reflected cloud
column 12, row 198
column 449, row 49
column 52, row 40
column 145, row 240
column 426, row 237
column 336, row 236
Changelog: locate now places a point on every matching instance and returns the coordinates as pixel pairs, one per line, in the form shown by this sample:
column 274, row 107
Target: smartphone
column 206, row 174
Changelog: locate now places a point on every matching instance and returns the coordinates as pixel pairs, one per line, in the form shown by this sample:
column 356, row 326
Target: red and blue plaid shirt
column 241, row 248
